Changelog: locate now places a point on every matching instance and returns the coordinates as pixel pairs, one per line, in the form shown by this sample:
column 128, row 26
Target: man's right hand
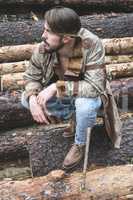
column 37, row 111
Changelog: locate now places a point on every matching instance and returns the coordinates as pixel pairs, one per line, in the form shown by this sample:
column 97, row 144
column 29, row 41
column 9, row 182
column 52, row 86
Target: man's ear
column 66, row 39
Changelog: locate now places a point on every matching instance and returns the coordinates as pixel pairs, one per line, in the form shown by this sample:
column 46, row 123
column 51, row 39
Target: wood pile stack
column 119, row 65
column 20, row 33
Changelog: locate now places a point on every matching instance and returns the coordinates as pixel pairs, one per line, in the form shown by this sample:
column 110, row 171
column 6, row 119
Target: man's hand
column 37, row 111
column 45, row 95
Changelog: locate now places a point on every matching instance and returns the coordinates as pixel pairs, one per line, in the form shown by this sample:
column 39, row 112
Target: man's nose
column 44, row 35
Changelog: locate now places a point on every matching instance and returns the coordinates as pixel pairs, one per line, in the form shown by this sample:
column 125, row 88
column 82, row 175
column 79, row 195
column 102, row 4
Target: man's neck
column 67, row 49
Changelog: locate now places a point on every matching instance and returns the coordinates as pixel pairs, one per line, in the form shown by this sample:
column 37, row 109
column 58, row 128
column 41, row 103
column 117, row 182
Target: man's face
column 52, row 41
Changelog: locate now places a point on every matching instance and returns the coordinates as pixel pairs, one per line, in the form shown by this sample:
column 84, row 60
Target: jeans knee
column 87, row 105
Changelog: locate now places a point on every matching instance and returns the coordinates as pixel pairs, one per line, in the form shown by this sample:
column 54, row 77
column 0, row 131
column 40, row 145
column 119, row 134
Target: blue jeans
column 85, row 109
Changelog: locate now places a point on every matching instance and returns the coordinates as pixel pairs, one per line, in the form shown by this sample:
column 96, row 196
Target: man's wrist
column 32, row 98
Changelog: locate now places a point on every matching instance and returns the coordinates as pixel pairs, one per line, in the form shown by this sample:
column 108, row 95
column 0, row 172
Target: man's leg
column 86, row 113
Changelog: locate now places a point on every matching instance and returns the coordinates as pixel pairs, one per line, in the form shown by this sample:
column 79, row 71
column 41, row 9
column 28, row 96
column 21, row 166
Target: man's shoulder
column 88, row 38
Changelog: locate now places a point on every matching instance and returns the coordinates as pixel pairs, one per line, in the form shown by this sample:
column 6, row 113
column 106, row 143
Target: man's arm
column 33, row 85
column 33, row 75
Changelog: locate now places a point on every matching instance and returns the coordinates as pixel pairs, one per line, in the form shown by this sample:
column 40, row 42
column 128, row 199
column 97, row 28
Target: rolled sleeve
column 33, row 75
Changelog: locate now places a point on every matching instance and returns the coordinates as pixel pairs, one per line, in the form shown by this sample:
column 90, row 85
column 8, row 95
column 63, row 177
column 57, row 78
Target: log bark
column 13, row 114
column 101, row 184
column 115, row 46
column 13, row 145
column 14, row 67
column 107, row 5
column 12, row 81
column 47, row 148
column 105, row 26
column 15, row 173
column 16, row 53
column 118, row 46
column 123, row 92
column 118, row 59
column 115, row 71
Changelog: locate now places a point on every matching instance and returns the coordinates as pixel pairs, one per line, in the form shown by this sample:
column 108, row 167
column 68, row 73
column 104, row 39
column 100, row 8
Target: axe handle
column 83, row 183
column 88, row 134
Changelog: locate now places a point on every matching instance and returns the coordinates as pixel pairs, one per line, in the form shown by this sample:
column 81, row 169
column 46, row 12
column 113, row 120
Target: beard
column 51, row 49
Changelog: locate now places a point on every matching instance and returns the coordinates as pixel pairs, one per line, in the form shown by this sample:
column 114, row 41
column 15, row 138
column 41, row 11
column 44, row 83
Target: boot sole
column 68, row 136
column 69, row 167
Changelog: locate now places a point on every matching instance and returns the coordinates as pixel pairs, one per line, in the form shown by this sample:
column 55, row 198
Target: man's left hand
column 45, row 95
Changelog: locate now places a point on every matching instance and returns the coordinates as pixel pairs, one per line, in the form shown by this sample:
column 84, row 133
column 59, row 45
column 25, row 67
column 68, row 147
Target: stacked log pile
column 19, row 35
column 119, row 65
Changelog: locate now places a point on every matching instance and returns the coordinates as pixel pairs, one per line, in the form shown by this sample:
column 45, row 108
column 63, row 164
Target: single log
column 15, row 173
column 12, row 81
column 14, row 143
column 16, row 53
column 118, row 59
column 119, row 70
column 101, row 184
column 118, row 46
column 105, row 26
column 13, row 114
column 14, row 67
column 108, row 25
column 107, row 5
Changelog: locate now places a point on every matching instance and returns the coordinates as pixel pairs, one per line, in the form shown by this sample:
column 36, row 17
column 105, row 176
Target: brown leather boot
column 73, row 157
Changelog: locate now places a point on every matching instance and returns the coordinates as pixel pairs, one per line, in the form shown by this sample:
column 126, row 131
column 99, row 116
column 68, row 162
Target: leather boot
column 73, row 157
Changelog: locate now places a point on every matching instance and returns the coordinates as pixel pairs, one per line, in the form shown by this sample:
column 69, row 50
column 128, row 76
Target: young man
column 60, row 76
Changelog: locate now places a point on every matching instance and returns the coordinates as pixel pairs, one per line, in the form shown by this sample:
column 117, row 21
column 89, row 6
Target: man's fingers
column 46, row 110
column 41, row 118
column 40, row 100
